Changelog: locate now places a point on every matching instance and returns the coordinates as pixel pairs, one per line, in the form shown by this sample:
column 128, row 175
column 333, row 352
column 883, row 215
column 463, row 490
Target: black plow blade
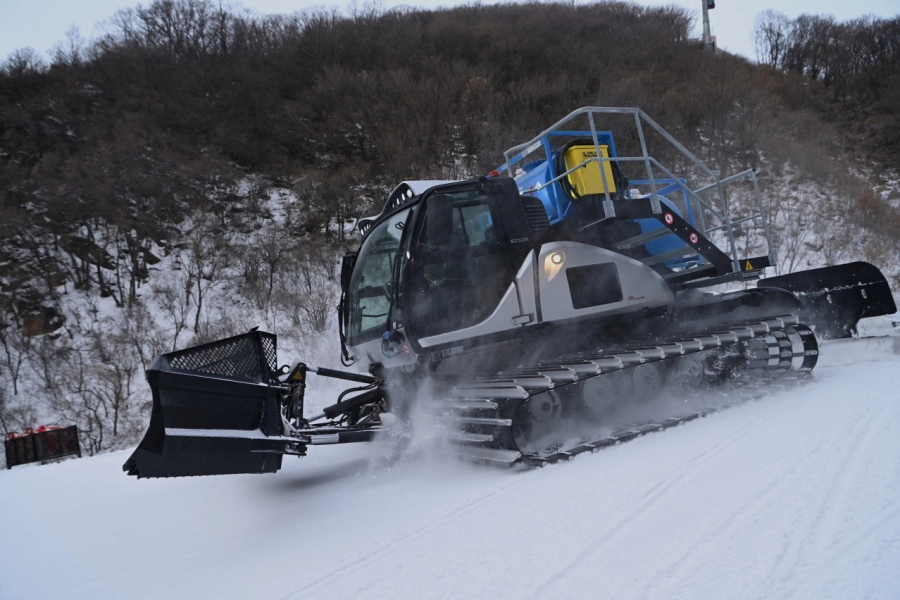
column 216, row 411
column 834, row 299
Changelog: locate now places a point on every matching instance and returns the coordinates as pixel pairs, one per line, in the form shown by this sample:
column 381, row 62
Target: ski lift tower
column 708, row 41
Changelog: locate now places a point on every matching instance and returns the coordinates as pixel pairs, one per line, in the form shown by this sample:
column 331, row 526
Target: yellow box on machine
column 587, row 179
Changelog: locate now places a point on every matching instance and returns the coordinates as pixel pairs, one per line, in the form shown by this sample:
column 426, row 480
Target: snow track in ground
column 796, row 495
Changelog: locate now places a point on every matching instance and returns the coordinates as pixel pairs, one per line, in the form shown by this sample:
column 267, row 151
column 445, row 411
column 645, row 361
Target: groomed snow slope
column 793, row 496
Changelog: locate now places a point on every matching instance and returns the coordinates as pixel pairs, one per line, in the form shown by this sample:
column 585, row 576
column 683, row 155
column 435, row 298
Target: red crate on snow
column 43, row 444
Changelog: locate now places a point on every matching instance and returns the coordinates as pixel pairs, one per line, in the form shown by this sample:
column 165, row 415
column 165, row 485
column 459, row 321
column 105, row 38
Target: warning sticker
column 748, row 266
column 669, row 218
column 694, row 238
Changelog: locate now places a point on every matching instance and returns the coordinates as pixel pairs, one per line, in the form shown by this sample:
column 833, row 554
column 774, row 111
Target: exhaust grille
column 536, row 214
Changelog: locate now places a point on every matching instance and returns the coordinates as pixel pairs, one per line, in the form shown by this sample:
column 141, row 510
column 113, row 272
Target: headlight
column 553, row 263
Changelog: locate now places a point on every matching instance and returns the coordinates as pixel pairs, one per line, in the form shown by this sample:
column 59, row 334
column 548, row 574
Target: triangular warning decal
column 748, row 267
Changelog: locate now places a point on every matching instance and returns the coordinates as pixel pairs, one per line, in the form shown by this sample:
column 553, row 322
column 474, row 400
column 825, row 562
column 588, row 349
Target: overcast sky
column 40, row 24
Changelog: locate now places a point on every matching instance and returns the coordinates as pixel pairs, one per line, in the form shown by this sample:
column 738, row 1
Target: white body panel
column 642, row 287
column 500, row 320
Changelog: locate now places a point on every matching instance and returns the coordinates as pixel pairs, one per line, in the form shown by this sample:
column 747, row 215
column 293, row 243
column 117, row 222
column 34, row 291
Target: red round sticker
column 406, row 349
column 694, row 238
column 669, row 218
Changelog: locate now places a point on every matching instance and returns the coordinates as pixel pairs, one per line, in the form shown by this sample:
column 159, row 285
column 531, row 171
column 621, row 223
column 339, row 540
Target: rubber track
column 630, row 433
column 523, row 384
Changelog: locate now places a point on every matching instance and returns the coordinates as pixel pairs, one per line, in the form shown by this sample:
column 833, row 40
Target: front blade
column 215, row 411
column 834, row 299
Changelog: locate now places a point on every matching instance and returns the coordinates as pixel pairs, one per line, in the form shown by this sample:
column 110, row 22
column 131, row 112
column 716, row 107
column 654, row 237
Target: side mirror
column 347, row 264
column 438, row 219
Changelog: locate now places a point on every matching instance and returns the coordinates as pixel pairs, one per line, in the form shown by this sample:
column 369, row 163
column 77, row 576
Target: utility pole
column 708, row 42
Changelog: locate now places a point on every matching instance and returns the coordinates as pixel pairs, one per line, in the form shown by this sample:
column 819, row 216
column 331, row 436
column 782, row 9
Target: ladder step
column 677, row 252
column 690, row 272
column 643, row 238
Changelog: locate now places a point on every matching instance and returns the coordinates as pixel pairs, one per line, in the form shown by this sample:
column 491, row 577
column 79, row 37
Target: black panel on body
column 594, row 285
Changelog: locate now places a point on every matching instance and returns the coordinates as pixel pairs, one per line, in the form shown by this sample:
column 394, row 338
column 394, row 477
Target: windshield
column 371, row 281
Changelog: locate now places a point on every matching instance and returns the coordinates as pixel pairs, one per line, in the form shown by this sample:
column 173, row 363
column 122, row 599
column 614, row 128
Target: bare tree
column 24, row 61
column 771, row 32
column 93, row 387
column 175, row 303
column 135, row 326
column 203, row 260
column 15, row 348
column 112, row 373
column 14, row 417
column 72, row 51
column 272, row 249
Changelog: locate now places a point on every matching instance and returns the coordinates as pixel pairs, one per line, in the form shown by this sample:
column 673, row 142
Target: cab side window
column 462, row 268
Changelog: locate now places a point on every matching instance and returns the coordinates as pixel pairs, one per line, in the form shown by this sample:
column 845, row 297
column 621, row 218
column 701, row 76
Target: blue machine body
column 535, row 175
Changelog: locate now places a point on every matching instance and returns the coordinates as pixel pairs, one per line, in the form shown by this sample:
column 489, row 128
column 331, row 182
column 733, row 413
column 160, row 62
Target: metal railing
column 721, row 214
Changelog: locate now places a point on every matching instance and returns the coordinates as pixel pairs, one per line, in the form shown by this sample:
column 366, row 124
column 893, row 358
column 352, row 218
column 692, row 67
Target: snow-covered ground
column 796, row 495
